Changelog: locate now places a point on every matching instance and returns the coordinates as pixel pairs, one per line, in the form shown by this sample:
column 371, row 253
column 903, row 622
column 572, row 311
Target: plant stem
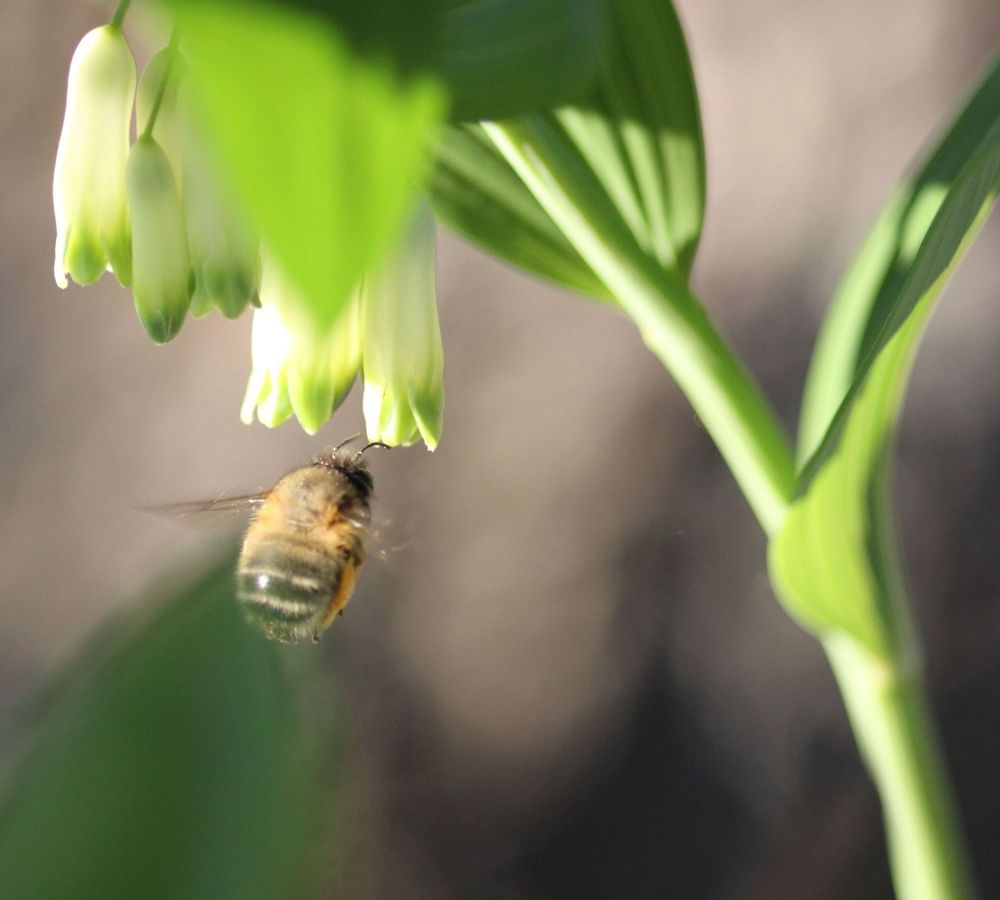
column 890, row 715
column 671, row 320
column 161, row 90
column 119, row 14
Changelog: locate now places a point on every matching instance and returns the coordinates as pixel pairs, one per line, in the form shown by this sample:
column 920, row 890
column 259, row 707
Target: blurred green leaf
column 325, row 145
column 639, row 134
column 497, row 57
column 405, row 33
column 834, row 560
column 172, row 760
column 506, row 57
column 324, row 111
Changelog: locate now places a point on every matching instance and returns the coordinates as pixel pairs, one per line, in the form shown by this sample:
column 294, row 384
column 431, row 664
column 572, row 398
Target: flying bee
column 304, row 545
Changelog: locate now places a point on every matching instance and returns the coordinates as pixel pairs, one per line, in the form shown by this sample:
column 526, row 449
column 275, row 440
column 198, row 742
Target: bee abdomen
column 285, row 589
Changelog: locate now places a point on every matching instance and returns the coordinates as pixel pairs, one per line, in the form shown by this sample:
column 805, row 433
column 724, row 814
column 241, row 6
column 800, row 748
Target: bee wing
column 221, row 505
column 388, row 537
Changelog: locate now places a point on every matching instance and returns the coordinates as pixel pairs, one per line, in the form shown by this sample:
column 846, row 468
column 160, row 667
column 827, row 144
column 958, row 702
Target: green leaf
column 639, row 135
column 172, row 760
column 405, row 33
column 833, row 561
column 506, row 57
column 325, row 144
column 883, row 263
column 496, row 57
column 476, row 193
column 641, row 131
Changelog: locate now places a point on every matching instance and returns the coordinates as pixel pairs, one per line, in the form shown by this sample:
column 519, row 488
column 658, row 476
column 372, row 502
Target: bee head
column 357, row 476
column 350, row 464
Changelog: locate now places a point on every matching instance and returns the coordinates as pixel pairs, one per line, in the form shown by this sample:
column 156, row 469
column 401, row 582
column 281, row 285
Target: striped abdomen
column 292, row 586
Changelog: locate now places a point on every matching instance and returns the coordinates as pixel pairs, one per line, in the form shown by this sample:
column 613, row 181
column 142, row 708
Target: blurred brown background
column 573, row 681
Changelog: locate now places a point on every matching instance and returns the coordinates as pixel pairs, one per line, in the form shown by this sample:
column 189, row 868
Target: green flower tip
column 401, row 418
column 312, row 397
column 88, row 187
column 230, row 291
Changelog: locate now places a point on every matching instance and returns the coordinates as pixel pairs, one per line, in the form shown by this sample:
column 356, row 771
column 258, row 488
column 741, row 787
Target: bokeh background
column 568, row 676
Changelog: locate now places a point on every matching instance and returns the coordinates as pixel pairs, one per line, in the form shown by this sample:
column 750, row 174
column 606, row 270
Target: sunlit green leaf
column 834, row 560
column 325, row 144
column 172, row 760
column 639, row 134
column 476, row 193
column 874, row 280
column 641, row 131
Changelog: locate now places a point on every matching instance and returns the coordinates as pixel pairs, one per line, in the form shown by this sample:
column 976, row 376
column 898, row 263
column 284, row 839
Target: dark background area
column 571, row 680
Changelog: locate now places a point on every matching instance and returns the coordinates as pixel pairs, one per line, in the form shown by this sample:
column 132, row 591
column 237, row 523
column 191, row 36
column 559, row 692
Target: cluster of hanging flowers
column 155, row 213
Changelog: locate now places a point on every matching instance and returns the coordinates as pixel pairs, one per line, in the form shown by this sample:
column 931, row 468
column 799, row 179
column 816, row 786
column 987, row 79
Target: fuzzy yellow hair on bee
column 305, row 545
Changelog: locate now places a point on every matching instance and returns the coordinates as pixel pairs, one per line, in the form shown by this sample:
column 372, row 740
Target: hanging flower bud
column 296, row 369
column 224, row 257
column 88, row 189
column 161, row 267
column 403, row 359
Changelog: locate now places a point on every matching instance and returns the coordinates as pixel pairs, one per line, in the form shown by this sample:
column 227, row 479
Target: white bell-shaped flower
column 295, row 368
column 162, row 280
column 403, row 359
column 92, row 220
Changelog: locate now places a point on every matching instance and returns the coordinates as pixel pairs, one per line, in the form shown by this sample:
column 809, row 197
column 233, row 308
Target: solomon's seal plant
column 563, row 136
column 191, row 247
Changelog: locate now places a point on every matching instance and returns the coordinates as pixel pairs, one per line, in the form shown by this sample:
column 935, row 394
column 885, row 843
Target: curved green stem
column 890, row 715
column 885, row 698
column 671, row 320
column 161, row 89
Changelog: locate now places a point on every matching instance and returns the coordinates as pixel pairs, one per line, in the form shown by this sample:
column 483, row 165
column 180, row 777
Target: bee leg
column 315, row 638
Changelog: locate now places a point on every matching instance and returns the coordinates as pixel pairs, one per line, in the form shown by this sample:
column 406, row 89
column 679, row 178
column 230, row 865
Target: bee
column 304, row 545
